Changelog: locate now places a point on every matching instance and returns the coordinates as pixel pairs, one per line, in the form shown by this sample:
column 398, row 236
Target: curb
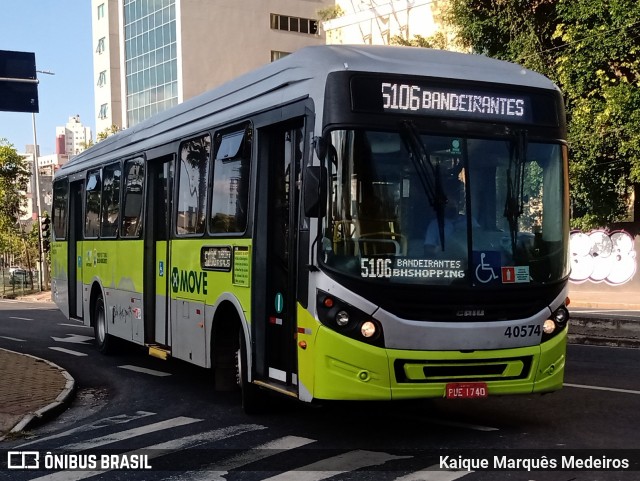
column 58, row 405
column 604, row 332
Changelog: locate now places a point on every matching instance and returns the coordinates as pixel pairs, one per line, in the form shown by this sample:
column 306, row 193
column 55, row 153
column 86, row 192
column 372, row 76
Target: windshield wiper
column 514, row 203
column 428, row 173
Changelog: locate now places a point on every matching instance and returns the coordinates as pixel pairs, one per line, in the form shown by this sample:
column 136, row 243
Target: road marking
column 455, row 424
column 13, row 339
column 144, row 370
column 21, row 318
column 74, row 325
column 433, row 473
column 131, row 433
column 110, row 421
column 73, row 339
column 343, row 463
column 218, row 471
column 68, row 351
column 599, row 388
column 161, row 449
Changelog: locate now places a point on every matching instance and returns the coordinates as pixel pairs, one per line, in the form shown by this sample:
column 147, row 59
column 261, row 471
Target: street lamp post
column 36, row 174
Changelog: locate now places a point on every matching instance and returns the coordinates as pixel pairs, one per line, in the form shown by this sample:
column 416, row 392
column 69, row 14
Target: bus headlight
column 342, row 318
column 368, row 329
column 549, row 326
column 556, row 323
column 348, row 320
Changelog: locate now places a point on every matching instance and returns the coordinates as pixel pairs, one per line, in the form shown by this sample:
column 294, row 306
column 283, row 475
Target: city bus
column 346, row 223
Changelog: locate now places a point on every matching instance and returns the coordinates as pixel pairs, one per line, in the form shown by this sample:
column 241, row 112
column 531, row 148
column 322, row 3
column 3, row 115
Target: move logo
column 188, row 281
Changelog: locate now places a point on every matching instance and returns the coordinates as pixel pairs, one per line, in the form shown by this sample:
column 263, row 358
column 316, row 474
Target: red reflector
column 328, row 302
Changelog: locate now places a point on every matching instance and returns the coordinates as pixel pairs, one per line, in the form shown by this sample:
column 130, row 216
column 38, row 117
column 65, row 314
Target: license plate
column 466, row 390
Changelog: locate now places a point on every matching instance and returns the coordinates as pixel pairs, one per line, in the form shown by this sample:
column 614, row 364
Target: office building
column 152, row 54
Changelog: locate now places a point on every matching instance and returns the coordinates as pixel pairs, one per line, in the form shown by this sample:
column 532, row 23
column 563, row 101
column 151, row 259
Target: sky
column 59, row 33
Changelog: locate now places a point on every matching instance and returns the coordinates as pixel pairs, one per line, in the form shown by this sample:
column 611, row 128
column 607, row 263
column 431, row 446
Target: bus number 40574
column 522, row 331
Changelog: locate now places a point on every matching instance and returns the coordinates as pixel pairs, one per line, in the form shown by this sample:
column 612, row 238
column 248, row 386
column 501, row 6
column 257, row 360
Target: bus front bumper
column 352, row 370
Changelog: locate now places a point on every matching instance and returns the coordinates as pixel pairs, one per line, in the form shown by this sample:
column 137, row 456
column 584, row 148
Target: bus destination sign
column 418, row 97
column 216, row 258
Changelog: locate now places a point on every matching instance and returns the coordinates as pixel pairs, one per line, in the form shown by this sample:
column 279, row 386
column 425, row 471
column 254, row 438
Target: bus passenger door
column 74, row 260
column 156, row 259
column 276, row 256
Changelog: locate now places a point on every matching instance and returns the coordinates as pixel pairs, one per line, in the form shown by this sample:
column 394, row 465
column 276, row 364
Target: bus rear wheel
column 253, row 400
column 103, row 341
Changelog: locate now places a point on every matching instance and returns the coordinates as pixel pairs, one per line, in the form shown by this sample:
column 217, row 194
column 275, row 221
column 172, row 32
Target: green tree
column 14, row 178
column 590, row 49
column 108, row 132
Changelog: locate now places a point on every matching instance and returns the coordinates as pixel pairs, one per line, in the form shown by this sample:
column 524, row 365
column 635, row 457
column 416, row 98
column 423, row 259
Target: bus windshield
column 407, row 207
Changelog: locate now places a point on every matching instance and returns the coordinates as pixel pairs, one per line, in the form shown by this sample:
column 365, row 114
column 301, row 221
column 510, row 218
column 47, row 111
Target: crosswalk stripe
column 161, row 449
column 335, row 465
column 130, row 433
column 433, row 473
column 217, row 471
column 104, row 422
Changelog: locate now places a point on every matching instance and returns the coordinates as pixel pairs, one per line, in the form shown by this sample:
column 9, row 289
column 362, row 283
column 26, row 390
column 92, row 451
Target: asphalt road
column 167, row 410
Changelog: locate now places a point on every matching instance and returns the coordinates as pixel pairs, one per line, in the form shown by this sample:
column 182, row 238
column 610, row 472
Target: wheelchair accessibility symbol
column 487, row 266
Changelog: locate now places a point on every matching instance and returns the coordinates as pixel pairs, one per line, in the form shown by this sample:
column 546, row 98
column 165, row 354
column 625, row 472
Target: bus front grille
column 429, row 371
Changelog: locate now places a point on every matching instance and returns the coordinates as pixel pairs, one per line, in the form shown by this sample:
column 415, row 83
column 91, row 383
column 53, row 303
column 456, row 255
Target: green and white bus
column 346, row 223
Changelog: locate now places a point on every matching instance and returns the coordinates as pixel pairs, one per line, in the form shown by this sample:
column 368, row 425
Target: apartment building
column 378, row 22
column 72, row 138
column 152, row 54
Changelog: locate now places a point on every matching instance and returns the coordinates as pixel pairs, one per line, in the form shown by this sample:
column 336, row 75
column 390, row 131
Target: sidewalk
column 31, row 389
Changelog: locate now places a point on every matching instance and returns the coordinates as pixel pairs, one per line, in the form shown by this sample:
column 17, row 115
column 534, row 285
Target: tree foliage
column 590, row 49
column 14, row 178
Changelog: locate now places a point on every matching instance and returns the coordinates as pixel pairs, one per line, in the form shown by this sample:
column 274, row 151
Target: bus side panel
column 194, row 290
column 59, row 276
column 117, row 268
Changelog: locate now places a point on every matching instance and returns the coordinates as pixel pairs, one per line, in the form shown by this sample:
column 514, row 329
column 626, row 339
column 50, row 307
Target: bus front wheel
column 253, row 400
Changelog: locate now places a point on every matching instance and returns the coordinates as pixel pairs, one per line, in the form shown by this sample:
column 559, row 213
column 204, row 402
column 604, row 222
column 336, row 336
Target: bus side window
column 192, row 185
column 110, row 200
column 132, row 198
column 230, row 183
column 92, row 205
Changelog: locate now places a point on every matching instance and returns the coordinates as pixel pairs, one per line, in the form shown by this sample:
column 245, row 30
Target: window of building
column 101, row 45
column 110, row 200
column 132, row 198
column 102, row 78
column 59, row 211
column 231, row 183
column 92, row 205
column 294, row 24
column 100, row 11
column 277, row 55
column 103, row 111
column 192, row 188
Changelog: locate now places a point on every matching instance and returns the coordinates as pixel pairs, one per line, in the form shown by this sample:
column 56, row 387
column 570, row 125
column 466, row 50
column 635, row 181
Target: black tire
column 104, row 342
column 253, row 399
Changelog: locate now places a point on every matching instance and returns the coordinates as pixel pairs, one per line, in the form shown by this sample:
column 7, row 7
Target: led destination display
column 419, row 96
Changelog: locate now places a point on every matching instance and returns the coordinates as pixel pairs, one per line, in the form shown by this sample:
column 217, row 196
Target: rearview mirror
column 314, row 191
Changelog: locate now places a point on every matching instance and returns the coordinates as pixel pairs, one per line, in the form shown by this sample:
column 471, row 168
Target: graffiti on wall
column 602, row 256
